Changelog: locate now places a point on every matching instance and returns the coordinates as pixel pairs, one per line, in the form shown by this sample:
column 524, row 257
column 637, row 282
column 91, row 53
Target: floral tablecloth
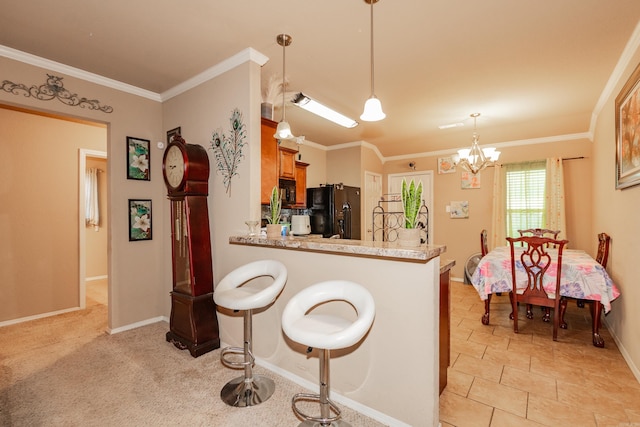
column 582, row 277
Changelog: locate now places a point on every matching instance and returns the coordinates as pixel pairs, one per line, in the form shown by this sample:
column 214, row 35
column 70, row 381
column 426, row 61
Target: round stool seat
column 232, row 295
column 328, row 331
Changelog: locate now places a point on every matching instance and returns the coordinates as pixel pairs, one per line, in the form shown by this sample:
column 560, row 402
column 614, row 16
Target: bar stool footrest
column 232, row 363
column 315, row 398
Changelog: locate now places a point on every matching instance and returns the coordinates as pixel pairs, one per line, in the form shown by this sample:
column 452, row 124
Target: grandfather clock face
column 181, row 265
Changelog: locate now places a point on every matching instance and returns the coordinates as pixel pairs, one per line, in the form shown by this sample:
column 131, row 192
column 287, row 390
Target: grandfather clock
column 194, row 323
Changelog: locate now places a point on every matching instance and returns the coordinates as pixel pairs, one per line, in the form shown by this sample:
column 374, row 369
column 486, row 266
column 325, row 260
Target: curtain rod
column 563, row 159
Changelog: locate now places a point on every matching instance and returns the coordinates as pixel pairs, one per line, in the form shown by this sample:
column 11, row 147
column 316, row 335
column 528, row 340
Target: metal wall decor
column 228, row 148
column 54, row 89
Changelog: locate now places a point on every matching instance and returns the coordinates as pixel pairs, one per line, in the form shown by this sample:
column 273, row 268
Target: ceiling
column 532, row 69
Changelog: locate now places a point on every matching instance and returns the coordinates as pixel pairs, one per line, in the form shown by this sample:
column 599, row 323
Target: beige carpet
column 66, row 371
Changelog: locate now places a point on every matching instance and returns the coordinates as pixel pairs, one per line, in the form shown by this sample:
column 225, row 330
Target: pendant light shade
column 373, row 110
column 283, row 131
column 372, row 107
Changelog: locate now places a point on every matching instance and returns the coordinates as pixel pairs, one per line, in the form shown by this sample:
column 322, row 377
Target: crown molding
column 37, row 61
column 625, row 59
column 515, row 143
column 248, row 54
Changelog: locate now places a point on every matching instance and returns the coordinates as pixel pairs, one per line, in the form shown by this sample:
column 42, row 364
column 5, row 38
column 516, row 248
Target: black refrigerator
column 335, row 211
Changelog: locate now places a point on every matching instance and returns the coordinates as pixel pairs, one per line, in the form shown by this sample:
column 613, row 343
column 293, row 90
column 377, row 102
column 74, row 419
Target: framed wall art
column 628, row 133
column 140, row 227
column 138, row 159
column 459, row 209
column 173, row 132
column 469, row 180
column 446, row 165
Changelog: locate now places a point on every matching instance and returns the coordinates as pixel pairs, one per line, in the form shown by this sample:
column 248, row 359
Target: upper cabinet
column 287, row 162
column 279, row 162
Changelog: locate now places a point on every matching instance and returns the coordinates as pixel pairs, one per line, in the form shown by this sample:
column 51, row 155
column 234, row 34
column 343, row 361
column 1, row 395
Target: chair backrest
column 536, row 258
column 484, row 248
column 539, row 232
column 603, row 249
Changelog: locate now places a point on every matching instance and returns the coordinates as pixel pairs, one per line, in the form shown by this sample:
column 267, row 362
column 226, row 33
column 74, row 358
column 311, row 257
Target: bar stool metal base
column 241, row 393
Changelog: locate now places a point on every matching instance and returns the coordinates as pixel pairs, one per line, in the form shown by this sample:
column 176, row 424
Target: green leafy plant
column 275, row 205
column 411, row 201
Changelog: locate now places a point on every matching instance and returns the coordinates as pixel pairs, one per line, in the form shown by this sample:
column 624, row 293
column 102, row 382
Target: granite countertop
column 382, row 250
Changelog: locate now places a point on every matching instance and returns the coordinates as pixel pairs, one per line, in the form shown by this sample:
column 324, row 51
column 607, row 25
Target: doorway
column 92, row 239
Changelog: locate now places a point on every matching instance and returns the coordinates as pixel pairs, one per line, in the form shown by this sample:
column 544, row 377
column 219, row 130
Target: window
column 525, row 194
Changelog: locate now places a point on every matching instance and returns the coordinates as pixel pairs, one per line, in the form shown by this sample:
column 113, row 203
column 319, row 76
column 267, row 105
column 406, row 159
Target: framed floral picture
column 460, row 209
column 628, row 133
column 138, row 159
column 446, row 165
column 140, row 220
column 469, row 180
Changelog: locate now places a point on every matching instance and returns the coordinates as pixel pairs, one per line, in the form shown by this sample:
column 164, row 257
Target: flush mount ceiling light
column 372, row 108
column 283, row 131
column 475, row 159
column 305, row 102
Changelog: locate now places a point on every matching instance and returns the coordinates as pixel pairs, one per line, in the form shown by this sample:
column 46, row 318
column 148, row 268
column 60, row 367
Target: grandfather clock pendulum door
column 194, row 323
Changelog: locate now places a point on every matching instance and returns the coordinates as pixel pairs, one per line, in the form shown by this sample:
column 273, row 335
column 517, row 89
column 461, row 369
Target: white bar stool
column 326, row 332
column 249, row 389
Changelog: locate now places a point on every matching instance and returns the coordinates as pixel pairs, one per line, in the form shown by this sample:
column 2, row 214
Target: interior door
column 395, row 188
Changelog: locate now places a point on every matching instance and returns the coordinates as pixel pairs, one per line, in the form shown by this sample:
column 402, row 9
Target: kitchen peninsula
column 398, row 361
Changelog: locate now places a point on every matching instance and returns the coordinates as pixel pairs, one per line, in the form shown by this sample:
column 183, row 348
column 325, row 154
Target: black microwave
column 287, row 192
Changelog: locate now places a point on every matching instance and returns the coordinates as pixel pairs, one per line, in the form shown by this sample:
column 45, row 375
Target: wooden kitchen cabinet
column 287, row 163
column 269, row 162
column 445, row 321
column 301, row 184
column 279, row 162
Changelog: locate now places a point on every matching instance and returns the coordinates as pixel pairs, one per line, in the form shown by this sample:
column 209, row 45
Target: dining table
column 582, row 278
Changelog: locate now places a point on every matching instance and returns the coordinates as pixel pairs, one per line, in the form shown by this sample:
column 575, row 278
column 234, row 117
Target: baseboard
column 313, row 387
column 37, row 316
column 138, row 325
column 623, row 351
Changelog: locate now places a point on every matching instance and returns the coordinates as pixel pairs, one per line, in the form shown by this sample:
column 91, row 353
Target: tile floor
column 498, row 378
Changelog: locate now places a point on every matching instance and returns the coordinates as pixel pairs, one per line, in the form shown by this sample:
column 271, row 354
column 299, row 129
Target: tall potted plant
column 274, row 229
column 409, row 235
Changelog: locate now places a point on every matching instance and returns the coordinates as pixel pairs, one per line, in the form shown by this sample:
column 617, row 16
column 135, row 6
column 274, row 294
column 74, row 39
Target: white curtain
column 555, row 215
column 92, row 208
column 498, row 227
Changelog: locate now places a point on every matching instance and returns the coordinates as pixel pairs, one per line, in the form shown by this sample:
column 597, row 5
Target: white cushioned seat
column 327, row 331
column 231, row 294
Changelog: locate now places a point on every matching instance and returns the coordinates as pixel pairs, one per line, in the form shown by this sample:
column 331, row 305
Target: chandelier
column 475, row 159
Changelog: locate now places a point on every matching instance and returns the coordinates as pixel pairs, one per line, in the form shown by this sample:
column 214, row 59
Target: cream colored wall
column 615, row 212
column 344, row 166
column 137, row 286
column 38, row 211
column 317, row 159
column 462, row 236
column 96, row 240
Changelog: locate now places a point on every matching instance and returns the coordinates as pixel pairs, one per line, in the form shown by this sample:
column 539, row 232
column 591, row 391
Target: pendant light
column 475, row 159
column 283, row 131
column 372, row 108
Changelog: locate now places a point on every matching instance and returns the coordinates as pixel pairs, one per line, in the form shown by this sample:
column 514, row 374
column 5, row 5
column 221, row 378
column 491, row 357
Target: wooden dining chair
column 535, row 260
column 539, row 232
column 601, row 257
column 484, row 248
